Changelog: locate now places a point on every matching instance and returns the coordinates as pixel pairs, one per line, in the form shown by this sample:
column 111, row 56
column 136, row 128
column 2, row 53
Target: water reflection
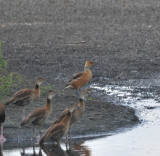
column 55, row 150
column 78, row 149
column 1, row 149
column 75, row 149
column 24, row 153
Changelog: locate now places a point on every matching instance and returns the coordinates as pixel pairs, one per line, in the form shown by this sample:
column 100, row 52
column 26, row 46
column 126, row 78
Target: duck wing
column 55, row 129
column 61, row 116
column 33, row 116
column 75, row 76
column 19, row 96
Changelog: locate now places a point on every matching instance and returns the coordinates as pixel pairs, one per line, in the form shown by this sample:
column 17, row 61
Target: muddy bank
column 99, row 116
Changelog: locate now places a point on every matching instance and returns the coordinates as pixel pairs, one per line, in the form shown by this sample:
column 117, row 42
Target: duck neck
column 67, row 119
column 69, row 114
column 36, row 91
column 81, row 102
column 37, row 88
column 49, row 104
column 86, row 68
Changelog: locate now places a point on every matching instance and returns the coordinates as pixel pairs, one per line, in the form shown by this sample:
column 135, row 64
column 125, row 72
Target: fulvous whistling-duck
column 38, row 116
column 25, row 96
column 77, row 114
column 57, row 131
column 80, row 79
column 2, row 119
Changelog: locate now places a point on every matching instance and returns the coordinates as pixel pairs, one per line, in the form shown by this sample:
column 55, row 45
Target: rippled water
column 142, row 140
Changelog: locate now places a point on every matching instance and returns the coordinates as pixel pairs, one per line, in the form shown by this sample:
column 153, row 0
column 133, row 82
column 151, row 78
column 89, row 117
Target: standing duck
column 77, row 114
column 38, row 116
column 25, row 96
column 80, row 79
column 57, row 131
column 2, row 119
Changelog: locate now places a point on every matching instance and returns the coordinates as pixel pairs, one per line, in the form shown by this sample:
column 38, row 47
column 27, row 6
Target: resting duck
column 2, row 119
column 57, row 131
column 38, row 116
column 77, row 114
column 25, row 96
column 80, row 79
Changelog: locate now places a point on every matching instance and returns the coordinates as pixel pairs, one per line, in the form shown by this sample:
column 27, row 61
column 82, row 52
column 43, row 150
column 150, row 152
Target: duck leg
column 34, row 152
column 33, row 131
column 66, row 141
column 23, row 151
column 78, row 92
column 88, row 84
column 70, row 135
column 2, row 138
column 1, row 149
column 23, row 113
column 40, row 132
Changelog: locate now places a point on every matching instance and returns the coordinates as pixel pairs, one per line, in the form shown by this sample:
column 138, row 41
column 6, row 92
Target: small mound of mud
column 99, row 116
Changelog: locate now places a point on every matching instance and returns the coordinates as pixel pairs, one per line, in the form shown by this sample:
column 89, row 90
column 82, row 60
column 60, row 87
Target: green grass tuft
column 45, row 89
column 7, row 80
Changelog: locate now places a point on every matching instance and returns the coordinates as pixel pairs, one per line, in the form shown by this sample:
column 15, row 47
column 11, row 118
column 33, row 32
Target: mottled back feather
column 75, row 76
column 34, row 115
column 52, row 130
column 80, row 80
column 61, row 116
column 19, row 96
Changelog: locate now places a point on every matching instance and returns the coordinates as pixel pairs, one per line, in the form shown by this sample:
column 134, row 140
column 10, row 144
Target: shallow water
column 142, row 140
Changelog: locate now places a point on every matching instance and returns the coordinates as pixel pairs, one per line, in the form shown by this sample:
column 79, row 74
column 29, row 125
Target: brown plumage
column 57, row 131
column 80, row 79
column 38, row 116
column 25, row 96
column 2, row 119
column 77, row 114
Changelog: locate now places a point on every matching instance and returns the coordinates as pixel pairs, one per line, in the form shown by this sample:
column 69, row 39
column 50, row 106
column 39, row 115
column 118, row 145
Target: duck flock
column 38, row 116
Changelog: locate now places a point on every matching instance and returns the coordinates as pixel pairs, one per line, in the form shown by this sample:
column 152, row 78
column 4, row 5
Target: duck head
column 51, row 94
column 88, row 64
column 39, row 81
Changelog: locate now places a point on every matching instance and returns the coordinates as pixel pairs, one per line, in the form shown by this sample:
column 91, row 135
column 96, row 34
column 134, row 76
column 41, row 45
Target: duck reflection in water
column 53, row 150
column 78, row 149
column 1, row 149
column 23, row 153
